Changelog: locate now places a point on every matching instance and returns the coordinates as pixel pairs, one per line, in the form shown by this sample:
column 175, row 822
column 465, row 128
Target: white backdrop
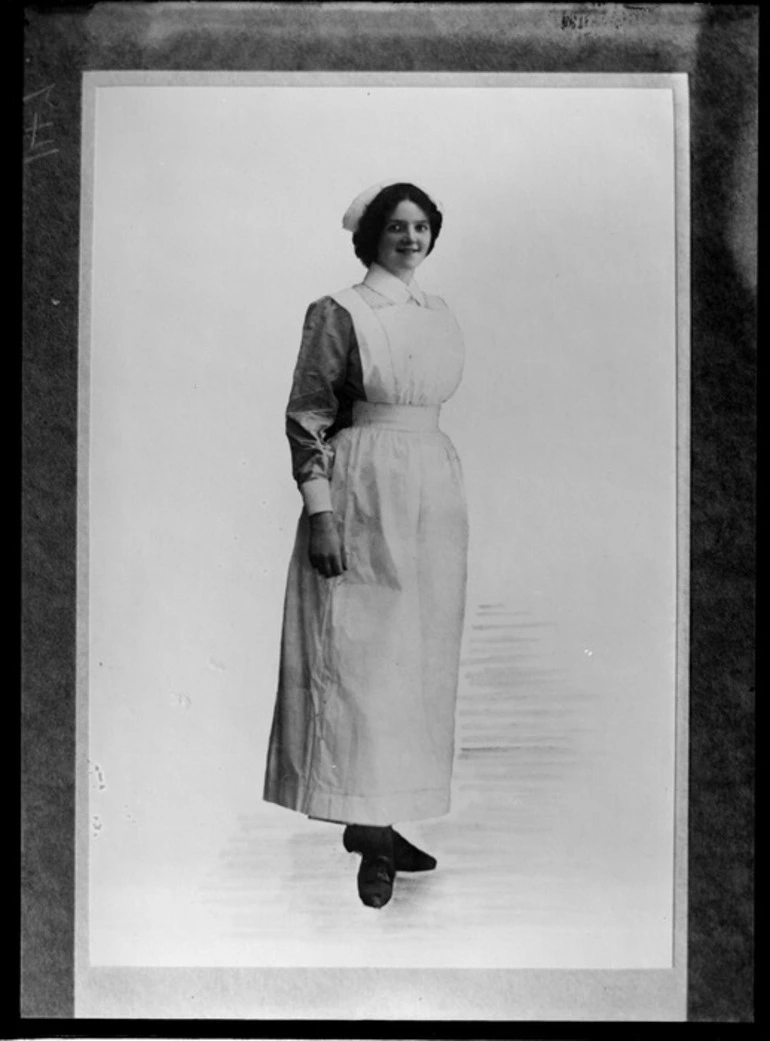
column 216, row 220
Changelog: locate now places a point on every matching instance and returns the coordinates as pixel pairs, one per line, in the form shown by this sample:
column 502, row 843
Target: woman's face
column 405, row 240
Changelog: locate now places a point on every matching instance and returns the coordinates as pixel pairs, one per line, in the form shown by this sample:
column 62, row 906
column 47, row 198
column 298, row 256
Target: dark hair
column 366, row 237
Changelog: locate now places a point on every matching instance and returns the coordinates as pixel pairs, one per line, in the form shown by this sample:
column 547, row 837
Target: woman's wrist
column 322, row 519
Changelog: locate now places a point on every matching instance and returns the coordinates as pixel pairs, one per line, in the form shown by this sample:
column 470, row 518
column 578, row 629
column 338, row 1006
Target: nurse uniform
column 364, row 721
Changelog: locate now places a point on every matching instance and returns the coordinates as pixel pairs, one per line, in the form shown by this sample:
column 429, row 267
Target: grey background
column 717, row 47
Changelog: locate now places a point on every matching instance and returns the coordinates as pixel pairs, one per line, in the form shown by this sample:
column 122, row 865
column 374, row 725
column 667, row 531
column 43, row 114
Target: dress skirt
column 364, row 721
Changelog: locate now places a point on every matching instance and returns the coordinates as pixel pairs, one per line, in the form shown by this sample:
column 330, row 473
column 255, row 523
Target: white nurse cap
column 355, row 211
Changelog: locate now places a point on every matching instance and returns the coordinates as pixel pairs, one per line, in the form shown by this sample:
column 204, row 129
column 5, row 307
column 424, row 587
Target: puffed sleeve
column 317, row 393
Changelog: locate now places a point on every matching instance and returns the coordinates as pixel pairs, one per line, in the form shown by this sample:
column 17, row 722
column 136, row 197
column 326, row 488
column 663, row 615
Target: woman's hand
column 327, row 554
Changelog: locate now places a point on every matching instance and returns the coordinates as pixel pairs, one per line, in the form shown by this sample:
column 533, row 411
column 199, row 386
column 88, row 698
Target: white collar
column 382, row 281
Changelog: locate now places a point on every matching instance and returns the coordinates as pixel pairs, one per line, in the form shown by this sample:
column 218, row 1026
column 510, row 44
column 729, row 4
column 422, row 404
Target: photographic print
column 490, row 664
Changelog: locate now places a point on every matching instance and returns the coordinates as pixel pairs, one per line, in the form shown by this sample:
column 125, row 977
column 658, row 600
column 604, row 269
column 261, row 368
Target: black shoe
column 406, row 857
column 375, row 881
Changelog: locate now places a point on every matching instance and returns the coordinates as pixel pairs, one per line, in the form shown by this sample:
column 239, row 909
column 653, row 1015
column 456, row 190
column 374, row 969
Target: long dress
column 364, row 721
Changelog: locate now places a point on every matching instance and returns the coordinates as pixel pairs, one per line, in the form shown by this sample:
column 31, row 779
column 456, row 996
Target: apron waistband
column 395, row 417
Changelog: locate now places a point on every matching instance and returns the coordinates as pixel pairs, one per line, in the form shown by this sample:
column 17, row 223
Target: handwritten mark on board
column 37, row 124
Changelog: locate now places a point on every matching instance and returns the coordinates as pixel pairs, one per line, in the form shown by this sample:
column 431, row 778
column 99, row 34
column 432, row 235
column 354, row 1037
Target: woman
column 363, row 731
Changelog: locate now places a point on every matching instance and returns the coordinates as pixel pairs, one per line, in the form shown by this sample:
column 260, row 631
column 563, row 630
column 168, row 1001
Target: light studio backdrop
column 213, row 219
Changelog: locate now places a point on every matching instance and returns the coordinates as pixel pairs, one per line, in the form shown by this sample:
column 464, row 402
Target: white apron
column 364, row 721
